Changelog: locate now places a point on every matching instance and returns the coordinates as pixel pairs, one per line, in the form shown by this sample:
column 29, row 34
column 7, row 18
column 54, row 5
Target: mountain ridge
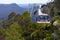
column 6, row 9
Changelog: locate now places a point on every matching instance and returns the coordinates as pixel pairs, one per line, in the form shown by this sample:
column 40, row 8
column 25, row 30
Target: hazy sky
column 23, row 1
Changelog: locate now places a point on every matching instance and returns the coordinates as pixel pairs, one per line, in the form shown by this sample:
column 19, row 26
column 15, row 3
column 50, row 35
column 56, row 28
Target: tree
column 57, row 3
column 1, row 34
column 17, row 17
column 50, row 9
column 11, row 15
column 13, row 32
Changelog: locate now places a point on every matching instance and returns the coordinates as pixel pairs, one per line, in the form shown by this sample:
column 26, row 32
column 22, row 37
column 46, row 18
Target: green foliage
column 26, row 14
column 12, row 33
column 22, row 28
column 57, row 3
column 17, row 17
column 12, row 15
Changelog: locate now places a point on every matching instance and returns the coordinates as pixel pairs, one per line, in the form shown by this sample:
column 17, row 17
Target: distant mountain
column 6, row 9
column 24, row 5
column 28, row 5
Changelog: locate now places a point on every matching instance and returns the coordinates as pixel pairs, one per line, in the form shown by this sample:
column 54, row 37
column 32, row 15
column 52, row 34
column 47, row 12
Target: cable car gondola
column 42, row 17
column 38, row 16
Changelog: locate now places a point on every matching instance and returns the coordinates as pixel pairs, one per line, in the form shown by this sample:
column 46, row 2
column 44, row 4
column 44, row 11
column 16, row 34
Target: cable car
column 38, row 16
column 42, row 17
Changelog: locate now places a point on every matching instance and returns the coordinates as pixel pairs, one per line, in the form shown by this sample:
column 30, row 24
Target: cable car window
column 43, row 18
column 35, row 12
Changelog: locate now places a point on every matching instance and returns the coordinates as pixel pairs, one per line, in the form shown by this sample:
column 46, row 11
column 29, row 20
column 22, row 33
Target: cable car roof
column 43, row 14
column 40, row 13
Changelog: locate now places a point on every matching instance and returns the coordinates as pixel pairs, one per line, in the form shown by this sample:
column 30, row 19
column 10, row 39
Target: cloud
column 23, row 1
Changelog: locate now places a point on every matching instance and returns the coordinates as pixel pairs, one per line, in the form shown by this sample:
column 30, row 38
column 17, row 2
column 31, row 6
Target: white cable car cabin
column 42, row 18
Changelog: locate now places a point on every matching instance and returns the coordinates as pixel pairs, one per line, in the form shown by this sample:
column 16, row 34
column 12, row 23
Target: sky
column 23, row 1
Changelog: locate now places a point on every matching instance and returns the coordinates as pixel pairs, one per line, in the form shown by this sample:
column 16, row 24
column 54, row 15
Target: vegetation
column 20, row 27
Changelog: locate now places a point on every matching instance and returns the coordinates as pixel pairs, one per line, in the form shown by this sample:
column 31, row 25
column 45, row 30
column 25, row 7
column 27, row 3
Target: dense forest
column 20, row 27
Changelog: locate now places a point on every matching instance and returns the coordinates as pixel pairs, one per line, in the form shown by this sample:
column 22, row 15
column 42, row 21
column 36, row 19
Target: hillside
column 6, row 9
